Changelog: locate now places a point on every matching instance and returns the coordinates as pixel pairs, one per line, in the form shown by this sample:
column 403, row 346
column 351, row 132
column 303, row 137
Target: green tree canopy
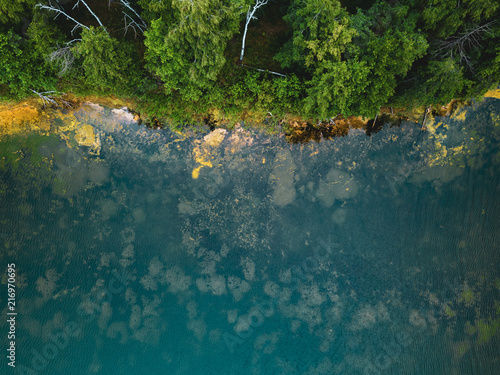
column 12, row 11
column 23, row 67
column 388, row 43
column 108, row 64
column 443, row 18
column 320, row 33
column 462, row 59
column 354, row 62
column 185, row 46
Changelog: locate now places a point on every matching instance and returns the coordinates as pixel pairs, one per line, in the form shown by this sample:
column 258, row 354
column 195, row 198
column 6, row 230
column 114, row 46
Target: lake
column 140, row 251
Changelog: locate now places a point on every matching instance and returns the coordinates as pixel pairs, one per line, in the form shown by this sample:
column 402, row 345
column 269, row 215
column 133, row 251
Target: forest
column 185, row 60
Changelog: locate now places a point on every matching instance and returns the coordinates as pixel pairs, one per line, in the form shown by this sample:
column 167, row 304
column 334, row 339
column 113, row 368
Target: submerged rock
column 282, row 178
column 338, row 185
column 85, row 136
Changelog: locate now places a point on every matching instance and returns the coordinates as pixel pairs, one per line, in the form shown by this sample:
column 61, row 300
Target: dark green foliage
column 388, row 44
column 12, row 11
column 320, row 33
column 444, row 18
column 109, row 65
column 461, row 59
column 186, row 48
column 338, row 56
column 445, row 82
column 23, row 66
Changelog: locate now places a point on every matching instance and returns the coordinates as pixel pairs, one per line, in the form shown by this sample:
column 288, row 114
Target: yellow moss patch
column 19, row 118
column 493, row 94
column 459, row 115
column 85, row 136
column 203, row 151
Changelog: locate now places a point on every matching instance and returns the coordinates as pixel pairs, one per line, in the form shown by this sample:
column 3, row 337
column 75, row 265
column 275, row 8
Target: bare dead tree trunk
column 250, row 16
column 52, row 8
column 131, row 23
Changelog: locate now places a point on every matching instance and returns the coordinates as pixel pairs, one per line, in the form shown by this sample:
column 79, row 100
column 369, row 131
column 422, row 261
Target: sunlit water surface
column 148, row 252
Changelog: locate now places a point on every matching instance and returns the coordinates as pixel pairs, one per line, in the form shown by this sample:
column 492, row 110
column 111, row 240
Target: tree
column 387, row 43
column 185, row 46
column 43, row 34
column 461, row 60
column 445, row 82
column 11, row 11
column 23, row 67
column 353, row 63
column 320, row 32
column 108, row 64
column 337, row 87
column 445, row 18
column 462, row 44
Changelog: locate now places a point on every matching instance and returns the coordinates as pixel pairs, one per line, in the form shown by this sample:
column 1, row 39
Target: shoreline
column 17, row 114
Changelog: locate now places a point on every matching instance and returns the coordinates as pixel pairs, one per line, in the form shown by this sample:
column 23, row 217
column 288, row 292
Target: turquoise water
column 148, row 252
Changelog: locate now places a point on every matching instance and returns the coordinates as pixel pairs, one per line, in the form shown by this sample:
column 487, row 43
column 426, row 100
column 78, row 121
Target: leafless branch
column 460, row 45
column 265, row 70
column 52, row 8
column 427, row 110
column 126, row 4
column 63, row 57
column 66, row 103
column 72, row 41
column 46, row 99
column 90, row 10
column 131, row 24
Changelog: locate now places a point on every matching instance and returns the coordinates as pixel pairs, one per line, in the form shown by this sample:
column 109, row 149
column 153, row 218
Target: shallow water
column 140, row 251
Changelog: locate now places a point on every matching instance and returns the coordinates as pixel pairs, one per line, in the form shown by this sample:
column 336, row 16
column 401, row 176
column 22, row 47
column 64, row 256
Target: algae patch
column 203, row 152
